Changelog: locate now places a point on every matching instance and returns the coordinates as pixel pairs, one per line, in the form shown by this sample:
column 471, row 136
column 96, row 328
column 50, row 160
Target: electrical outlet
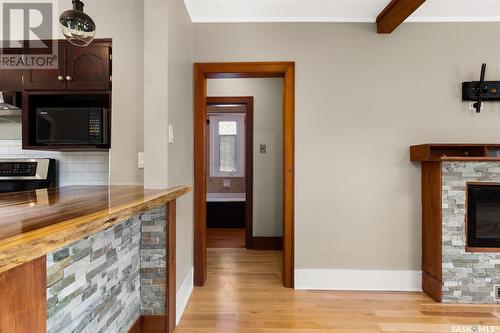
column 472, row 108
column 496, row 290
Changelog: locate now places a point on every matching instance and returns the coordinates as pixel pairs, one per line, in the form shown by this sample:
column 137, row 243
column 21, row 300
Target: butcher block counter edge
column 27, row 246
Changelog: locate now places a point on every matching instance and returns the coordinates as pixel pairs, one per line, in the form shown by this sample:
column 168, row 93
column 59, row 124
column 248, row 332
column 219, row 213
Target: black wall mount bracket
column 481, row 91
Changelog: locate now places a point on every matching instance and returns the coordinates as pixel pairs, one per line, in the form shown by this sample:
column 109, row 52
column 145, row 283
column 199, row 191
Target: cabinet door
column 88, row 68
column 11, row 79
column 47, row 79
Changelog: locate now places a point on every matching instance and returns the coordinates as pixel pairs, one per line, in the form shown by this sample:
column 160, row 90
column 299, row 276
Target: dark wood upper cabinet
column 11, row 79
column 80, row 68
column 47, row 79
column 88, row 68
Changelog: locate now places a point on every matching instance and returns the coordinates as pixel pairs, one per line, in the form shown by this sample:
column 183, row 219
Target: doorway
column 203, row 72
column 229, row 137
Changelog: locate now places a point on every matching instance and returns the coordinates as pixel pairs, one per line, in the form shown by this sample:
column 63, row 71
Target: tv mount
column 481, row 91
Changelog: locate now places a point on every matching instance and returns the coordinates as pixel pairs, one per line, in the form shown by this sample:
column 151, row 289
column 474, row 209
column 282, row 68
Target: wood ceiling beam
column 395, row 13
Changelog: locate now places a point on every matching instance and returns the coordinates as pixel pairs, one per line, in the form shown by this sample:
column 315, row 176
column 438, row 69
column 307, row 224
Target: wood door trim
column 202, row 72
column 248, row 102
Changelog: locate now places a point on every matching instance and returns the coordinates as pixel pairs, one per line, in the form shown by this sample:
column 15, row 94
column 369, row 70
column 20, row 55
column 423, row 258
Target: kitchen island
column 88, row 259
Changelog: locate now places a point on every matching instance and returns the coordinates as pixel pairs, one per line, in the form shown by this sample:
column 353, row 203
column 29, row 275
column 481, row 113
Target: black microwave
column 75, row 126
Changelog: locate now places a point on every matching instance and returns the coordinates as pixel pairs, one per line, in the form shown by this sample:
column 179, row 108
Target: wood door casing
column 88, row 68
column 202, row 72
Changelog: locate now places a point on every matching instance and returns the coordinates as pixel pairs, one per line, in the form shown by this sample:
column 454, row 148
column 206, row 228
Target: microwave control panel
column 95, row 126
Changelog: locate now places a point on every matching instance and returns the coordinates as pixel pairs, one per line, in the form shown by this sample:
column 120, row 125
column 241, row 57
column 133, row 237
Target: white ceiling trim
column 209, row 11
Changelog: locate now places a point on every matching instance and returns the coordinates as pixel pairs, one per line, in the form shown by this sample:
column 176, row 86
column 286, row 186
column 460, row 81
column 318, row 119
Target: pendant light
column 78, row 28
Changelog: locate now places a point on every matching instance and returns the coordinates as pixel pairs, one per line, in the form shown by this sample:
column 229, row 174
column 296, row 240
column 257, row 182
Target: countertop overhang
column 34, row 223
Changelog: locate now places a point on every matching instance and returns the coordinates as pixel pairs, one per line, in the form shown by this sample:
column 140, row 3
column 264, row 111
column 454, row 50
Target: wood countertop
column 35, row 223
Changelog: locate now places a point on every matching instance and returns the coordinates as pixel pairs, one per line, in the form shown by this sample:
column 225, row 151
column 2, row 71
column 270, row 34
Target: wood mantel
column 455, row 151
column 35, row 223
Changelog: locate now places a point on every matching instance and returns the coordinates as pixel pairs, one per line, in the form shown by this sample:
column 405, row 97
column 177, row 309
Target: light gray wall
column 361, row 100
column 268, row 168
column 180, row 116
column 155, row 93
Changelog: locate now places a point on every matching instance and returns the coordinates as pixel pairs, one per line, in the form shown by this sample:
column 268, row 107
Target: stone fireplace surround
column 468, row 277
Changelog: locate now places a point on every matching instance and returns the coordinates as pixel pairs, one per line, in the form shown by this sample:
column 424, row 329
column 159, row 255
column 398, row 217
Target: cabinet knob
column 60, row 78
column 69, row 78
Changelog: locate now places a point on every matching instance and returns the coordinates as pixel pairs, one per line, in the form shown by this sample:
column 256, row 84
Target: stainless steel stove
column 27, row 174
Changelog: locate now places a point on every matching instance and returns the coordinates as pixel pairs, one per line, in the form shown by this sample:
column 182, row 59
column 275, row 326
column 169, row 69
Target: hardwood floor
column 225, row 238
column 243, row 294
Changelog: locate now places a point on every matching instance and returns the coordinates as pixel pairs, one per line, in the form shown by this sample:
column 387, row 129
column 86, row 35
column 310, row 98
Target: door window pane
column 227, row 145
column 228, row 130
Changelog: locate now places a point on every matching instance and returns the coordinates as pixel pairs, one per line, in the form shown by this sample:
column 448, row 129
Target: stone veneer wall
column 153, row 262
column 467, row 277
column 104, row 282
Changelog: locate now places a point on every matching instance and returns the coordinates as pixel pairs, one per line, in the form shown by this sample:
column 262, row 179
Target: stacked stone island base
column 106, row 281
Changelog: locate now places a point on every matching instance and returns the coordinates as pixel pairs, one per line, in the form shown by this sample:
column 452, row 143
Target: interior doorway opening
column 229, row 151
column 203, row 72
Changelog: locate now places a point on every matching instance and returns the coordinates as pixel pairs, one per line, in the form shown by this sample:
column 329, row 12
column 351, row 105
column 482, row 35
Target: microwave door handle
column 52, row 128
column 105, row 126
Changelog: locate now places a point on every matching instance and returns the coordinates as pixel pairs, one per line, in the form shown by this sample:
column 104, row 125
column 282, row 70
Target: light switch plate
column 140, row 160
column 263, row 149
column 170, row 133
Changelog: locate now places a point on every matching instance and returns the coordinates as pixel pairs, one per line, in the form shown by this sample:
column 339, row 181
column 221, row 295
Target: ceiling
column 337, row 10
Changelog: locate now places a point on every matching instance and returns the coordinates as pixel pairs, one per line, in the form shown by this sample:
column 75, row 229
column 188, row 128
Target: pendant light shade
column 78, row 28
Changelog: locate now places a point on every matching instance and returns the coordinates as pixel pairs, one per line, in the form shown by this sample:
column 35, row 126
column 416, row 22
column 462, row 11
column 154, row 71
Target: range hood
column 10, row 111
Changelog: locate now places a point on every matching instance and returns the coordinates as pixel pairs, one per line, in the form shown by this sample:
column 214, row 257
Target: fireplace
column 483, row 216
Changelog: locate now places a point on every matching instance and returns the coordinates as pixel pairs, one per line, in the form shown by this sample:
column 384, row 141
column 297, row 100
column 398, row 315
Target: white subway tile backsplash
column 74, row 168
column 82, row 167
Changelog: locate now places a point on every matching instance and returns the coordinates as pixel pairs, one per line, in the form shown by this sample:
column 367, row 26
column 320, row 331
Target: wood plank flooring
column 225, row 238
column 243, row 294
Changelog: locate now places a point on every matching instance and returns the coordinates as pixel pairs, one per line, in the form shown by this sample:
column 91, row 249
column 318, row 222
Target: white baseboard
column 183, row 294
column 351, row 279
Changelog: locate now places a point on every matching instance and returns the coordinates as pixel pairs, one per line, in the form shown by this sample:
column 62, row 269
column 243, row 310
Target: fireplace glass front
column 483, row 215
